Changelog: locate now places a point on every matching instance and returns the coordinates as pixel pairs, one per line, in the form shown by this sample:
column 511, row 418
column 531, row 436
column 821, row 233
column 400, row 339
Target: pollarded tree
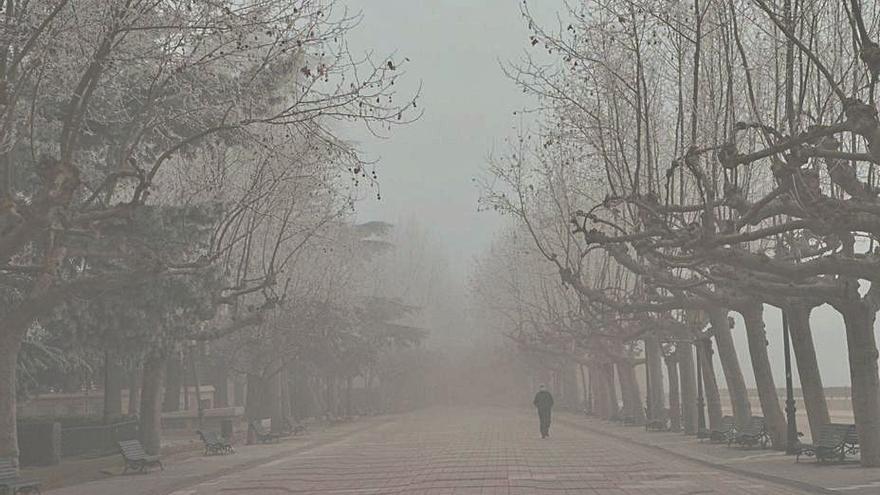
column 789, row 174
column 110, row 93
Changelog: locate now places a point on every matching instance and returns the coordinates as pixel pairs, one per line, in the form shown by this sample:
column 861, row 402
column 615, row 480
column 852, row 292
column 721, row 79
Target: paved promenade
column 848, row 478
column 445, row 452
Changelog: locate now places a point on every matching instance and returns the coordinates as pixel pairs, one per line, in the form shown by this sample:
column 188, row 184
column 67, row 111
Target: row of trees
column 693, row 159
column 167, row 167
column 299, row 359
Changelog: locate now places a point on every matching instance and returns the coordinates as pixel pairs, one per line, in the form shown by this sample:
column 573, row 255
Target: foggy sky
column 427, row 168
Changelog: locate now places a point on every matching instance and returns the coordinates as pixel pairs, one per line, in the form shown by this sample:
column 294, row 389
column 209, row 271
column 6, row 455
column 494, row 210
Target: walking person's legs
column 547, row 427
column 545, row 424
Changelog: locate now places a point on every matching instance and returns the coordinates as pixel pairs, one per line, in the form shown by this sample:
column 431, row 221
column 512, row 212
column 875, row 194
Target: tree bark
column 254, row 400
column 674, row 397
column 798, row 317
column 710, row 384
column 601, row 394
column 736, row 384
column 569, row 385
column 348, row 387
column 629, row 390
column 9, row 348
column 587, row 407
column 220, row 379
column 684, row 354
column 113, row 380
column 275, row 400
column 656, row 392
column 173, row 384
column 151, row 402
column 757, row 339
column 862, row 349
column 197, row 385
column 612, row 390
column 134, row 390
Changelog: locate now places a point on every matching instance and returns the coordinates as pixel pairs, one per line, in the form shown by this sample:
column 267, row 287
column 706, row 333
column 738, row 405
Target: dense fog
column 350, row 246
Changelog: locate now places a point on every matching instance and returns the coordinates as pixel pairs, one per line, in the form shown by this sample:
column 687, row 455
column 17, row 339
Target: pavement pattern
column 486, row 451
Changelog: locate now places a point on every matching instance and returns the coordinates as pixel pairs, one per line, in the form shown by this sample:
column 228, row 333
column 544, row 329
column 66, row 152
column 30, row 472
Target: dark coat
column 543, row 400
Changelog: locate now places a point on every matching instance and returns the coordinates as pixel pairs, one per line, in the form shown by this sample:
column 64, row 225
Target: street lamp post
column 647, row 385
column 590, row 392
column 790, row 408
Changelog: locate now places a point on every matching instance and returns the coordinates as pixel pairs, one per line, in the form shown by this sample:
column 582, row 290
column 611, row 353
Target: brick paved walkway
column 480, row 451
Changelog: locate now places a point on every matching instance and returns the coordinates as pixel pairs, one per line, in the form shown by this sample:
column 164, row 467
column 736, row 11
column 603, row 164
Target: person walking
column 544, row 402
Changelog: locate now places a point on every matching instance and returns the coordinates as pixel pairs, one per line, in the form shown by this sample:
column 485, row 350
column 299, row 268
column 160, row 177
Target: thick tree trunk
column 587, row 407
column 134, row 390
column 317, row 397
column 629, row 390
column 348, row 404
column 220, row 380
column 601, row 391
column 151, row 402
column 330, row 396
column 627, row 409
column 254, row 408
column 197, row 386
column 684, row 354
column 275, row 400
column 9, row 348
column 656, row 392
column 286, row 396
column 757, row 339
column 710, row 385
column 569, row 385
column 114, row 376
column 674, row 397
column 859, row 319
column 798, row 317
column 239, row 391
column 612, row 390
column 173, row 384
column 736, row 384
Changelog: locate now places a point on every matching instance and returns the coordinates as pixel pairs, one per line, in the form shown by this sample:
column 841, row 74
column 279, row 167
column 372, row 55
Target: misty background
column 456, row 51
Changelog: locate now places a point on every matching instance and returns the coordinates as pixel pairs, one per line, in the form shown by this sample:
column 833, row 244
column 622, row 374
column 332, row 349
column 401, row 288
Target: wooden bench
column 136, row 458
column 263, row 434
column 830, row 443
column 10, row 483
column 215, row 444
column 851, row 444
column 725, row 431
column 292, row 429
column 655, row 424
column 755, row 433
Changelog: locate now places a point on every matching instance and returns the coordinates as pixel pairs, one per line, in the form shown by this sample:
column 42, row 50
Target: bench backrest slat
column 832, row 435
column 210, row 437
column 755, row 427
column 132, row 449
column 852, row 435
column 7, row 469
